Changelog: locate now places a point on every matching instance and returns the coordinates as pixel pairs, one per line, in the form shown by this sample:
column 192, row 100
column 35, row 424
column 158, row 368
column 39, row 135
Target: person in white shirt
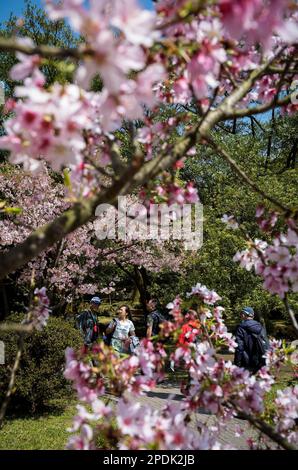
column 121, row 329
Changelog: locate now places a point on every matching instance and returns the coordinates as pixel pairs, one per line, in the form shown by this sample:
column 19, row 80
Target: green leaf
column 66, row 178
column 12, row 210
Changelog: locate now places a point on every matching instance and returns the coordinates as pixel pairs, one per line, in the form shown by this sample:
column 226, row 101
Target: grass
column 284, row 380
column 46, row 431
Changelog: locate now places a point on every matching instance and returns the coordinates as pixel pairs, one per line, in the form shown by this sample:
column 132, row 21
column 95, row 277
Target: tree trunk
column 141, row 283
column 135, row 294
column 5, row 310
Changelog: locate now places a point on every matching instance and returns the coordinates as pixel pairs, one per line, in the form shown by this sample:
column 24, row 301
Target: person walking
column 252, row 342
column 121, row 329
column 87, row 323
column 154, row 319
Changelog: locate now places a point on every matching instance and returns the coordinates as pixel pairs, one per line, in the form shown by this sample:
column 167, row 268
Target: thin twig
column 291, row 313
column 16, row 45
column 12, row 380
column 265, row 429
column 285, row 209
column 16, row 327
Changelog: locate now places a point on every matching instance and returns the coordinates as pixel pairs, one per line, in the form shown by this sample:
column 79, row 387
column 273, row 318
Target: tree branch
column 290, row 313
column 82, row 212
column 246, row 178
column 66, row 223
column 16, row 327
column 226, row 109
column 265, row 429
column 12, row 380
column 240, row 113
column 16, row 45
column 126, row 272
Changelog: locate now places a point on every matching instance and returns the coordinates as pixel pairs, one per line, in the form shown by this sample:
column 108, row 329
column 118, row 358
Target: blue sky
column 16, row 6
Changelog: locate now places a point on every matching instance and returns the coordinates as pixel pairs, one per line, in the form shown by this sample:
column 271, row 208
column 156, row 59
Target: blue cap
column 248, row 311
column 95, row 300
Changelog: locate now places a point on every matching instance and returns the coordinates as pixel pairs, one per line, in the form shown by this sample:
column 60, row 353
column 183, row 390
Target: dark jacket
column 245, row 340
column 89, row 327
column 154, row 319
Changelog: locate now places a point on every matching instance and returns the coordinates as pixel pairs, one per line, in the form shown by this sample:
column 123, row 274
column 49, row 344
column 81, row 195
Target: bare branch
column 16, row 327
column 245, row 177
column 240, row 113
column 16, row 45
column 265, row 429
column 117, row 164
column 291, row 313
column 12, row 380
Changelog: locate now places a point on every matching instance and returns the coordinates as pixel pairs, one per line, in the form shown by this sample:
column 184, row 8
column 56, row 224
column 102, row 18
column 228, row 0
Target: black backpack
column 157, row 318
column 107, row 338
column 260, row 346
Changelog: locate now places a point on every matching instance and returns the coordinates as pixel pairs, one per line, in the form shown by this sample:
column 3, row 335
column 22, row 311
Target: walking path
column 157, row 398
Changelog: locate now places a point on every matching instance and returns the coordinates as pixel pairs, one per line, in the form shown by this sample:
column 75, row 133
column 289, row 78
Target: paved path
column 158, row 397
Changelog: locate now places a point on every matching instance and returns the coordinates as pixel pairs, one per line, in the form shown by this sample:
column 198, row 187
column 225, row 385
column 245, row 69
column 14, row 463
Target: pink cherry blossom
column 48, row 127
column 203, row 69
column 259, row 20
column 40, row 313
column 137, row 24
column 209, row 297
column 27, row 63
column 230, row 221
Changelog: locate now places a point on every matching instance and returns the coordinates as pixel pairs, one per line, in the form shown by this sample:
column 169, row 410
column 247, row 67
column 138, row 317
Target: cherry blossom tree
column 63, row 117
column 200, row 57
column 32, row 200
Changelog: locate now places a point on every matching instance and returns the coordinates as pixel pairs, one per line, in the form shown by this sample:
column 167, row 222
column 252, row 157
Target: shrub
column 40, row 375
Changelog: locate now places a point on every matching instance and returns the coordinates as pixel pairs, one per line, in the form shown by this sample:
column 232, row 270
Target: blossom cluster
column 209, row 297
column 287, row 413
column 39, row 314
column 115, row 54
column 48, row 125
column 61, row 124
column 86, row 384
column 276, row 263
column 216, row 383
column 209, row 323
column 137, row 426
column 206, row 64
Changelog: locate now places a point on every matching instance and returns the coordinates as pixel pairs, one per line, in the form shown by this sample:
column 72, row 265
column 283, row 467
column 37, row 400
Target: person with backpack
column 252, row 342
column 154, row 318
column 87, row 323
column 121, row 331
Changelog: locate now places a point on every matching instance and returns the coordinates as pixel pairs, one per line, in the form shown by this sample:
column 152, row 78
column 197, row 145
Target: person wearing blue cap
column 87, row 323
column 252, row 342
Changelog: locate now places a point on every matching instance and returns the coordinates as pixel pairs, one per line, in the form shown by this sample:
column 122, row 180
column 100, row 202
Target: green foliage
column 36, row 25
column 221, row 191
column 40, row 375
